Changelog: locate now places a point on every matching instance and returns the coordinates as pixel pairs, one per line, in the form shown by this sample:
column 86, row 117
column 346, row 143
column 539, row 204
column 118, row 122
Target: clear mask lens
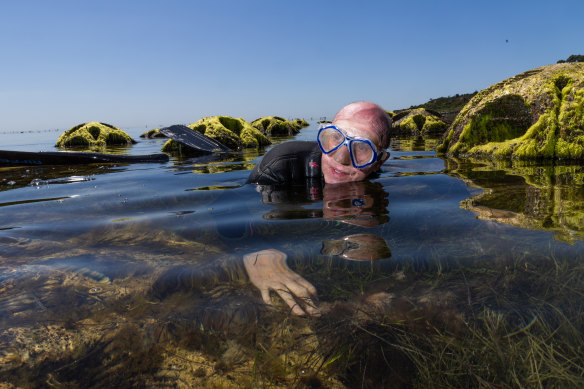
column 362, row 152
column 330, row 138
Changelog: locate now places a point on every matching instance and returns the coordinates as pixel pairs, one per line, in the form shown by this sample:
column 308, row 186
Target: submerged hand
column 267, row 269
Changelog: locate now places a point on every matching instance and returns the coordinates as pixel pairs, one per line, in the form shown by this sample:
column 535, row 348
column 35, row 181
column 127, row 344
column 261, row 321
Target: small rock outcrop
column 538, row 114
column 234, row 133
column 94, row 135
column 418, row 122
column 277, row 126
column 153, row 134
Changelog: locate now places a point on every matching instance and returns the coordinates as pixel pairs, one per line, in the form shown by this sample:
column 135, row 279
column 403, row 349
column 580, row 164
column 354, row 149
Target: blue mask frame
column 348, row 141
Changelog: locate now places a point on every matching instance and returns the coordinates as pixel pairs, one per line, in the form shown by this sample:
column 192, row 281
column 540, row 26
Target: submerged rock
column 233, row 133
column 538, row 114
column 277, row 126
column 94, row 134
column 418, row 121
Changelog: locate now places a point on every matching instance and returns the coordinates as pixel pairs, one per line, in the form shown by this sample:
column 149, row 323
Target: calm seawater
column 85, row 249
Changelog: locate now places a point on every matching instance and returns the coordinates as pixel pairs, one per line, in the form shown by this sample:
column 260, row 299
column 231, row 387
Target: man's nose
column 342, row 155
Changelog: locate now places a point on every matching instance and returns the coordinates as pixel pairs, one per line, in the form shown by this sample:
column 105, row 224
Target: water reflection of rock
column 527, row 195
column 414, row 143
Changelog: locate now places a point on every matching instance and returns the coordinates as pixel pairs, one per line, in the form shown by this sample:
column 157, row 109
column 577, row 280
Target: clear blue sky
column 147, row 63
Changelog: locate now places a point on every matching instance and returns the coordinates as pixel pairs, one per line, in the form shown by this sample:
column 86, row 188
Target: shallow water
column 131, row 274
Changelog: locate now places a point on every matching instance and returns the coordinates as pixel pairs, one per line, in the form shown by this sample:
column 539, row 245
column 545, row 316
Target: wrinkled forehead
column 366, row 118
column 360, row 129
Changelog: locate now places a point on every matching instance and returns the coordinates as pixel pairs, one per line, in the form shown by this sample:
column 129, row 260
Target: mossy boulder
column 538, row 114
column 94, row 135
column 234, row 133
column 277, row 126
column 153, row 134
column 301, row 123
column 419, row 122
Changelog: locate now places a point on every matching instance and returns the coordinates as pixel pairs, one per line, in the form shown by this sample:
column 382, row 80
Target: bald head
column 370, row 114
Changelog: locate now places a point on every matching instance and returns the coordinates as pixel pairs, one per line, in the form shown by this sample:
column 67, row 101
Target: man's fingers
column 303, row 283
column 302, row 288
column 288, row 299
column 311, row 308
column 266, row 296
column 307, row 307
column 311, row 289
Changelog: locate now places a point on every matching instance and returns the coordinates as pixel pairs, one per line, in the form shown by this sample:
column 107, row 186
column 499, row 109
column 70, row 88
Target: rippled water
column 132, row 275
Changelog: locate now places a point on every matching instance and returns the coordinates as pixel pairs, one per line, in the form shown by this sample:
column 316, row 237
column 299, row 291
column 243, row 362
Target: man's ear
column 383, row 156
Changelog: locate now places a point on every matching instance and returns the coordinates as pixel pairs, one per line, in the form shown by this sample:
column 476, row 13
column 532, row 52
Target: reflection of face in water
column 362, row 203
column 358, row 247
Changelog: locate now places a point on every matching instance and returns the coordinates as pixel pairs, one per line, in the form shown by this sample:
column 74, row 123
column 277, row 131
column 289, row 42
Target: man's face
column 336, row 166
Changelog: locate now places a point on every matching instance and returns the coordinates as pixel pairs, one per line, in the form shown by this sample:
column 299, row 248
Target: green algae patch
column 301, row 123
column 418, row 122
column 153, row 134
column 277, row 126
column 537, row 114
column 94, row 135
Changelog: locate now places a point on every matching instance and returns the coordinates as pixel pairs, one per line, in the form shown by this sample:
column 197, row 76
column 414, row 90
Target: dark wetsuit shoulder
column 288, row 163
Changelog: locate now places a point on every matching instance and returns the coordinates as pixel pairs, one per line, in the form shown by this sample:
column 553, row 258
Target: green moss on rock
column 537, row 114
column 94, row 135
column 418, row 122
column 300, row 123
column 277, row 126
column 233, row 133
column 152, row 134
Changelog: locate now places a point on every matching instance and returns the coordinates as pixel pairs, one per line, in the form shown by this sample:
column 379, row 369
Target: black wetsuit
column 289, row 163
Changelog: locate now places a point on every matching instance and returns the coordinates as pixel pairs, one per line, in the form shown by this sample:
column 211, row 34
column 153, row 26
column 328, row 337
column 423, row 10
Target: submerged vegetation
column 497, row 322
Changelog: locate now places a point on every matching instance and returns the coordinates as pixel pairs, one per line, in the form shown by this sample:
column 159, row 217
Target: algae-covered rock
column 153, row 134
column 233, row 133
column 418, row 121
column 538, row 114
column 94, row 134
column 277, row 126
column 301, row 123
